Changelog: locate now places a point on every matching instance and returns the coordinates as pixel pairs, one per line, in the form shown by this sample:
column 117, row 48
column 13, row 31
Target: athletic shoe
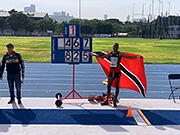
column 114, row 102
column 105, row 103
column 11, row 101
column 19, row 101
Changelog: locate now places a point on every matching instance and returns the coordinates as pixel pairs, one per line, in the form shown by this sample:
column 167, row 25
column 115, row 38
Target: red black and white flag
column 132, row 72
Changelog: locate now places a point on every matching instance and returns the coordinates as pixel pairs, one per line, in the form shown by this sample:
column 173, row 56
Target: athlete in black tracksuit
column 14, row 64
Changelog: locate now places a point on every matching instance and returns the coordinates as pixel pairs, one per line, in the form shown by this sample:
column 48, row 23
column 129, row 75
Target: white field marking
column 148, row 76
column 157, row 80
column 138, row 118
column 159, row 85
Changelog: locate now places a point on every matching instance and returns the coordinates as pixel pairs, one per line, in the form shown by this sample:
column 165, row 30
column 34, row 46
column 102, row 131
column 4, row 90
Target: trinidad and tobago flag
column 132, row 72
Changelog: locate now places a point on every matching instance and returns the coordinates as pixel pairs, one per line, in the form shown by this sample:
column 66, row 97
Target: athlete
column 115, row 70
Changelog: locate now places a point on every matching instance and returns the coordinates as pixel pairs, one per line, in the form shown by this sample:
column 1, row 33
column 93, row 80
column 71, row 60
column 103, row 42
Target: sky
column 90, row 9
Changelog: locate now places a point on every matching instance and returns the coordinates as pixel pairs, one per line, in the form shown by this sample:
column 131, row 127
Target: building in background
column 144, row 20
column 2, row 11
column 173, row 32
column 63, row 13
column 128, row 18
column 105, row 17
column 61, row 16
column 32, row 8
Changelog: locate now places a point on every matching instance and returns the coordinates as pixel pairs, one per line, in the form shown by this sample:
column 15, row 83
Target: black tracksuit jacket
column 13, row 63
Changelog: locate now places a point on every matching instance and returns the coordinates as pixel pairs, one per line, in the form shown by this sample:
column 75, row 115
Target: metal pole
column 177, row 18
column 150, row 16
column 159, row 14
column 73, row 76
column 80, row 15
column 159, row 7
column 169, row 17
column 79, row 11
column 169, row 3
column 162, row 23
column 143, row 9
column 169, row 14
column 133, row 12
column 162, row 8
column 152, row 19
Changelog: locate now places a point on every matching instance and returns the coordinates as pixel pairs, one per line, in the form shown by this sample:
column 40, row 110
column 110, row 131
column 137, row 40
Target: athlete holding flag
column 115, row 70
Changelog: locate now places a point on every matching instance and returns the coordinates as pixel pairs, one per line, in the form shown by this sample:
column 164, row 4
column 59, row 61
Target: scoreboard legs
column 73, row 91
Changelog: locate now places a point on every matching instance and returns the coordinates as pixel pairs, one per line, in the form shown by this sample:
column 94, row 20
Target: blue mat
column 163, row 117
column 61, row 116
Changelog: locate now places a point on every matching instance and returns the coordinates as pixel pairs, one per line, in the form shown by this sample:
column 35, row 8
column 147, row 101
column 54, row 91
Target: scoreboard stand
column 73, row 91
column 71, row 49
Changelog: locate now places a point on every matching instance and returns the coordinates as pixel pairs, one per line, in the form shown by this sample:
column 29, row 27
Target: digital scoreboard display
column 71, row 48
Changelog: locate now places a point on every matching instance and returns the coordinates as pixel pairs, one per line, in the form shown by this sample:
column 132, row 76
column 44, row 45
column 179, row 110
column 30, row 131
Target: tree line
column 159, row 27
column 18, row 21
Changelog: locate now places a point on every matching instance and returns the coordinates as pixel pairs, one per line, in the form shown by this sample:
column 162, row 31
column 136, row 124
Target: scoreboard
column 71, row 48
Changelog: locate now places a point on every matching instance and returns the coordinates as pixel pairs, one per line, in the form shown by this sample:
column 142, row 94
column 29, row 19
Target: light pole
column 79, row 11
column 159, row 7
column 169, row 3
column 133, row 12
column 162, row 8
column 152, row 19
column 169, row 14
column 177, row 18
column 143, row 9
column 150, row 15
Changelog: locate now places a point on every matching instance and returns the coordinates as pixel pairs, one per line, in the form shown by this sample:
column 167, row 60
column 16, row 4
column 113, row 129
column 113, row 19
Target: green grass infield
column 37, row 49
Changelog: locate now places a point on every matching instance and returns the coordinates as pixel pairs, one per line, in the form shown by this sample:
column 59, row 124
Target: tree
column 2, row 24
column 114, row 21
column 46, row 24
column 17, row 20
column 74, row 21
column 86, row 29
column 117, row 28
column 12, row 11
column 59, row 29
column 31, row 25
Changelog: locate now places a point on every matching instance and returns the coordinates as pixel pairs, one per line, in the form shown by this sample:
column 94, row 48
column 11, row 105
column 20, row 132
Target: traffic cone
column 129, row 114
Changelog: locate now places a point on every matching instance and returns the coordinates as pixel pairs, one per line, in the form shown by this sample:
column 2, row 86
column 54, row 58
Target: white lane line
column 138, row 118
